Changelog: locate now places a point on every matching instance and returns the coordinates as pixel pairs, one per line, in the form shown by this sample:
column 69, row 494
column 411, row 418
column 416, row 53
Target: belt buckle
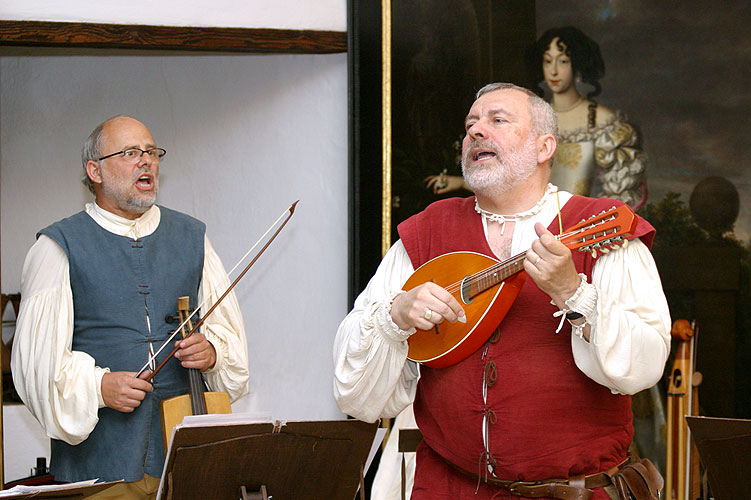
column 513, row 487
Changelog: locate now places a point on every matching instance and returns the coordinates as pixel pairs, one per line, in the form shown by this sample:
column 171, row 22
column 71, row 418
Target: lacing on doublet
column 487, row 463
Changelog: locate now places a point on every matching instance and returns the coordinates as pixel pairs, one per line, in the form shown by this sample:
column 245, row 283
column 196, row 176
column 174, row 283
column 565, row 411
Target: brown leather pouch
column 639, row 480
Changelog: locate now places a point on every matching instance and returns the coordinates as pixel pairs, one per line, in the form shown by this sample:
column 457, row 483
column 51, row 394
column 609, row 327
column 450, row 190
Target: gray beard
column 509, row 171
column 120, row 193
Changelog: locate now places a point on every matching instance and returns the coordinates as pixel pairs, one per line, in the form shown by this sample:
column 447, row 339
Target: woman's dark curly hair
column 586, row 60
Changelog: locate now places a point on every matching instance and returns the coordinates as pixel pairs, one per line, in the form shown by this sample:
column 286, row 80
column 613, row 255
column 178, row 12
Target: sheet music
column 21, row 488
column 223, row 419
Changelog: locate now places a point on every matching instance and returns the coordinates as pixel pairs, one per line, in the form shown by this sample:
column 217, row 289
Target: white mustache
column 142, row 172
column 482, row 144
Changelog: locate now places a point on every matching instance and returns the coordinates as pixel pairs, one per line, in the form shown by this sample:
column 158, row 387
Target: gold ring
column 428, row 314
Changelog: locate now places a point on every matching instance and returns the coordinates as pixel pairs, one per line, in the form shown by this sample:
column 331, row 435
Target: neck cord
column 502, row 219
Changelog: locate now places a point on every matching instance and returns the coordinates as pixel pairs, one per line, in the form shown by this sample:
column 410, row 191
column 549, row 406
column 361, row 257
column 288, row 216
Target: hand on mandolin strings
column 424, row 307
column 123, row 391
column 196, row 351
column 549, row 263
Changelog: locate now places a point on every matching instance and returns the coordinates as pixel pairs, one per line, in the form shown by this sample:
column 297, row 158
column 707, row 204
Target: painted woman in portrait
column 599, row 152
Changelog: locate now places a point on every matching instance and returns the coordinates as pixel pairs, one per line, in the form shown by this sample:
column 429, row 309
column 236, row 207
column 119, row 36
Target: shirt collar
column 137, row 228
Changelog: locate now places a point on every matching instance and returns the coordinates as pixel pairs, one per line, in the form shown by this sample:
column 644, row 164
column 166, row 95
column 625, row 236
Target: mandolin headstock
column 604, row 231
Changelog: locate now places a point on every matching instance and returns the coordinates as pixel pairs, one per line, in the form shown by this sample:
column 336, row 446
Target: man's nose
column 145, row 158
column 477, row 131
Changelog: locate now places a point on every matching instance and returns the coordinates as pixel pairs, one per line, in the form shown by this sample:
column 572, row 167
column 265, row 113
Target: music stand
column 289, row 461
column 724, row 446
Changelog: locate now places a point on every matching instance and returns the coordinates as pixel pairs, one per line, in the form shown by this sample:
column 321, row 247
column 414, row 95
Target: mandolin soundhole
column 465, row 290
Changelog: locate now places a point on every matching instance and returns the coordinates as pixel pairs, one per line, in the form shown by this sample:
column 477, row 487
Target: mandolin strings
column 503, row 267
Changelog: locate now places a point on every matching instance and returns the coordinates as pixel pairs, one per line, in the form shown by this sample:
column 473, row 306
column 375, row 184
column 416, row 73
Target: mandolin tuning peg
column 593, row 251
column 604, row 249
column 625, row 243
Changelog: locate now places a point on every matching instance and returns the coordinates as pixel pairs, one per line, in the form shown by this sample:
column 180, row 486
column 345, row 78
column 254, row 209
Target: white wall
column 246, row 136
column 284, row 14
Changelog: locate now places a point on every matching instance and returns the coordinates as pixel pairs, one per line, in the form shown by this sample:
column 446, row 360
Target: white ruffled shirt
column 627, row 350
column 62, row 387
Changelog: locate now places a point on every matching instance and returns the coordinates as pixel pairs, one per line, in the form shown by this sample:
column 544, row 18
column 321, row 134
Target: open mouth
column 481, row 150
column 145, row 181
column 483, row 155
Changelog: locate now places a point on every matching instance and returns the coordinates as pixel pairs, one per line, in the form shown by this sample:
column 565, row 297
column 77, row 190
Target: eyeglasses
column 133, row 155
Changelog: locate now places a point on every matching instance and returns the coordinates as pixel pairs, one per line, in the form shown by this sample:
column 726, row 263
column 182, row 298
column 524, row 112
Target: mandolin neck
column 493, row 275
column 603, row 232
column 497, row 273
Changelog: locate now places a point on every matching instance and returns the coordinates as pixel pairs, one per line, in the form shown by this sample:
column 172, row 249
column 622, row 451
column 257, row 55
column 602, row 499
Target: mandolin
column 487, row 288
column 197, row 401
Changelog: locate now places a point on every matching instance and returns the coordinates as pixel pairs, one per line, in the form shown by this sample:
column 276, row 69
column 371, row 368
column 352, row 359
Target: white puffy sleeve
column 630, row 332
column 372, row 376
column 60, row 387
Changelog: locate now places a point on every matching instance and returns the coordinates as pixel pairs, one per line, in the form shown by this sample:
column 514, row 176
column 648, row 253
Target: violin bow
column 291, row 211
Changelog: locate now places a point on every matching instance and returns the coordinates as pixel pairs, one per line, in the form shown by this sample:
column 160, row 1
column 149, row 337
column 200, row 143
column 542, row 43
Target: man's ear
column 546, row 146
column 94, row 171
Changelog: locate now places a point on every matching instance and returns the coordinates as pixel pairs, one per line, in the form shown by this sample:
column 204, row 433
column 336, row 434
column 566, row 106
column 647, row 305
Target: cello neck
column 197, row 400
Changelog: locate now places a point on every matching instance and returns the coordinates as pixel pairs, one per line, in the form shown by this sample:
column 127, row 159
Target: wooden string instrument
column 197, row 401
column 487, row 288
column 682, row 477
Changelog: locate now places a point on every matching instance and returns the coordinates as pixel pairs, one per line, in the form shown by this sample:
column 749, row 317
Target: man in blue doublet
column 97, row 289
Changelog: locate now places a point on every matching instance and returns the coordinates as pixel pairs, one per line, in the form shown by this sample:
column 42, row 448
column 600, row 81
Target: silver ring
column 428, row 314
column 537, row 261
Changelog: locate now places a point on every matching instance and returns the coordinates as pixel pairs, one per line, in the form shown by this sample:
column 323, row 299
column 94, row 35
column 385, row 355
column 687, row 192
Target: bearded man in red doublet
column 537, row 401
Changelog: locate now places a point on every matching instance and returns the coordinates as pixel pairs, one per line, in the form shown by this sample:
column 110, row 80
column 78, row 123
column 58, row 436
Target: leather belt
column 573, row 488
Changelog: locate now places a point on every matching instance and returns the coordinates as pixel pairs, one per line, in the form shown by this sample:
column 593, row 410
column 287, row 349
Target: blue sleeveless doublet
column 115, row 280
